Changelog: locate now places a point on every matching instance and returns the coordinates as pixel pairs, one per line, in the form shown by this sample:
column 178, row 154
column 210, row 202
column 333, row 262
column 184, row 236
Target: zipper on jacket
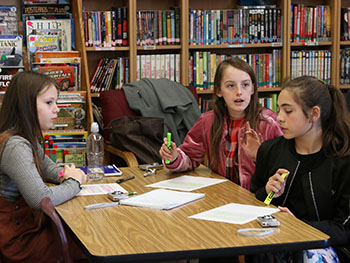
column 348, row 218
column 313, row 197
column 291, row 182
column 140, row 96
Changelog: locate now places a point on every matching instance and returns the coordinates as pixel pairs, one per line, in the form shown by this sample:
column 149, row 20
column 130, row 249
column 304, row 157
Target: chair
column 115, row 105
column 47, row 207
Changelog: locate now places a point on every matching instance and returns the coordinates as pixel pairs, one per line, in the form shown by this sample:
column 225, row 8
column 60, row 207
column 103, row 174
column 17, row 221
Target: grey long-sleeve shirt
column 20, row 177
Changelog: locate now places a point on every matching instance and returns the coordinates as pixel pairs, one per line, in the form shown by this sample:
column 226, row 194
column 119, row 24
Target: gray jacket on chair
column 166, row 99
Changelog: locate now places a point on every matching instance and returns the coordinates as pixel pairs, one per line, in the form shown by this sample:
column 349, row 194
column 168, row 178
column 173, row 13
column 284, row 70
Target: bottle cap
column 94, row 127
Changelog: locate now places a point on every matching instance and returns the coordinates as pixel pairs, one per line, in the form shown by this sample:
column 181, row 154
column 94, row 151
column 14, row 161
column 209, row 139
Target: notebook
column 110, row 170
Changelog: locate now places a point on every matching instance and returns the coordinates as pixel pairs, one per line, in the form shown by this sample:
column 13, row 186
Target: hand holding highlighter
column 272, row 194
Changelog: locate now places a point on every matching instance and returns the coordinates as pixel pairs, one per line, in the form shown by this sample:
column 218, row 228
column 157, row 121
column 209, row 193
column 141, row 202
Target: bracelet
column 255, row 232
column 71, row 178
column 61, row 173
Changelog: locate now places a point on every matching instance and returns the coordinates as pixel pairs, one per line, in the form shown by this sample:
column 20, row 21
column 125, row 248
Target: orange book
column 63, row 74
column 55, row 54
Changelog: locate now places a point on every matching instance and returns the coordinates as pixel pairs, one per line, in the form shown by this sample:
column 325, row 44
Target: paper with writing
column 235, row 213
column 187, row 183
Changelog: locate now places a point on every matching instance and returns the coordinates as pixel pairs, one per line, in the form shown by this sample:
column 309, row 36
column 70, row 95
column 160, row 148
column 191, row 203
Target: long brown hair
column 19, row 115
column 335, row 118
column 252, row 112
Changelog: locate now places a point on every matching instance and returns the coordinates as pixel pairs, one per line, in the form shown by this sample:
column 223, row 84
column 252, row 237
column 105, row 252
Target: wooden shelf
column 170, row 47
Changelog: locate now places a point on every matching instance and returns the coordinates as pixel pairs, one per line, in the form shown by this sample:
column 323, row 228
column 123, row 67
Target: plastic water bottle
column 95, row 152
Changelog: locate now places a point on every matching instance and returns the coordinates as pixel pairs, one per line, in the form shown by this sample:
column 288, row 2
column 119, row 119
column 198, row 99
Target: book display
column 11, row 45
column 11, row 53
column 40, row 35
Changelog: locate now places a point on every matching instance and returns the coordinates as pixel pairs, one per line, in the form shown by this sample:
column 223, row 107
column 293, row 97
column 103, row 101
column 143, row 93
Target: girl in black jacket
column 315, row 153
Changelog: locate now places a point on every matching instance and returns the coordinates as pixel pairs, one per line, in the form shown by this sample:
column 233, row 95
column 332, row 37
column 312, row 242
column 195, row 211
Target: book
column 64, row 73
column 11, row 54
column 6, row 74
column 65, row 25
column 47, row 9
column 55, row 54
column 8, row 20
column 35, row 2
column 26, row 17
column 48, row 40
column 71, row 115
column 2, row 94
column 110, row 170
column 162, row 199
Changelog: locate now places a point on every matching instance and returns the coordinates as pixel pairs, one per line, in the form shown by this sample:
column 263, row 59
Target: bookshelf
column 343, row 44
column 90, row 55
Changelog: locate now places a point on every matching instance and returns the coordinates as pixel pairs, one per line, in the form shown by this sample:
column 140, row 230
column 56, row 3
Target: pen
column 124, row 179
column 272, row 194
column 132, row 193
column 101, row 205
column 168, row 144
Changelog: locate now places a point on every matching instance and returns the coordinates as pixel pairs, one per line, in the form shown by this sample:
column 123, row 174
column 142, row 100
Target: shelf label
column 278, row 44
column 311, row 43
column 236, row 45
column 105, row 48
column 149, row 47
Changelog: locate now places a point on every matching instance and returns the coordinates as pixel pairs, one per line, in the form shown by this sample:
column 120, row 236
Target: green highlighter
column 168, row 144
column 272, row 194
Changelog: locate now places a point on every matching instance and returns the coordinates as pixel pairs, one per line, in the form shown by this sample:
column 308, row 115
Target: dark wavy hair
column 335, row 118
column 19, row 114
column 252, row 112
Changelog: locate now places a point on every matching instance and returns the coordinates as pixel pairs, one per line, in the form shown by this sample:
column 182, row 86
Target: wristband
column 61, row 173
column 71, row 178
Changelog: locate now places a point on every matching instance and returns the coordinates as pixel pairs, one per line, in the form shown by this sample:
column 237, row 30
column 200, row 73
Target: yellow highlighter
column 168, row 145
column 272, row 194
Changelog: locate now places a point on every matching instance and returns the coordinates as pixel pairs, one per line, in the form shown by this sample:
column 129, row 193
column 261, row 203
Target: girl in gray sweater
column 29, row 106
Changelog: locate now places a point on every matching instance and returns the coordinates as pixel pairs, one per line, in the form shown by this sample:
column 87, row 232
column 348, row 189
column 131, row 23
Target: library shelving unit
column 90, row 56
column 85, row 83
column 342, row 44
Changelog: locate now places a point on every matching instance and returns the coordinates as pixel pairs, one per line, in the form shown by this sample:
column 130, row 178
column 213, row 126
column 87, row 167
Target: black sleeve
column 339, row 234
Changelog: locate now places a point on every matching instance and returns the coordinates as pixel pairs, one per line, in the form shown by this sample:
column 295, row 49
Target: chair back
column 47, row 207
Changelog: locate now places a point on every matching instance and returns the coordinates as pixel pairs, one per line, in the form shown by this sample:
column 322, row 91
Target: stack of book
column 66, row 140
column 310, row 24
column 66, row 146
column 249, row 24
column 267, row 68
column 158, row 66
column 110, row 74
column 11, row 45
column 48, row 29
column 64, row 66
column 49, row 34
column 158, row 27
column 106, row 28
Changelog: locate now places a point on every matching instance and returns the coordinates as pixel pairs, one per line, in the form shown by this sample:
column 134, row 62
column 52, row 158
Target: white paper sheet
column 187, row 183
column 235, row 213
column 161, row 199
column 100, row 189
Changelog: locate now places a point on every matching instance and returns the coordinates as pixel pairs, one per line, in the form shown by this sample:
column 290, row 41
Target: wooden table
column 133, row 234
